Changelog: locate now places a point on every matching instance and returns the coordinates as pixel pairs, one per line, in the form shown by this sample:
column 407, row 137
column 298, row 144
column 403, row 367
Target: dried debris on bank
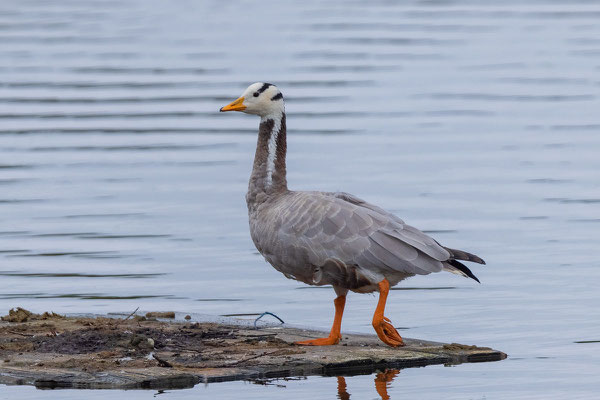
column 50, row 350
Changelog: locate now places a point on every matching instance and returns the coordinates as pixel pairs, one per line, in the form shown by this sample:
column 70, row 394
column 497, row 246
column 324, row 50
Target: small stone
column 188, row 317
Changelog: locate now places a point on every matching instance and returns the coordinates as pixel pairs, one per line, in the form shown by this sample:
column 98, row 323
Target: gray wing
column 344, row 227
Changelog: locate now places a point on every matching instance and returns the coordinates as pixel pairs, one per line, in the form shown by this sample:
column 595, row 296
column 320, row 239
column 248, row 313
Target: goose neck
column 269, row 169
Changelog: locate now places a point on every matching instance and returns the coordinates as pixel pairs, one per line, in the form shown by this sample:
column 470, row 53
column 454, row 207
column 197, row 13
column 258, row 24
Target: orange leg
column 335, row 335
column 382, row 380
column 385, row 330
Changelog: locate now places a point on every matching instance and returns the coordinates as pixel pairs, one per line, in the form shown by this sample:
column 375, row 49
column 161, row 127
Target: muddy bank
column 49, row 350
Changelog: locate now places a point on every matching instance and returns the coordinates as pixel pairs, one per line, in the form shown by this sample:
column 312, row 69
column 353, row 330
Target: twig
column 253, row 357
column 129, row 316
column 161, row 362
column 264, row 335
column 19, row 333
column 184, row 348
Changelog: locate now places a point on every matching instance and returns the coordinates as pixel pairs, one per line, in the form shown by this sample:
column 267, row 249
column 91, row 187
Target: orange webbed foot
column 328, row 341
column 387, row 333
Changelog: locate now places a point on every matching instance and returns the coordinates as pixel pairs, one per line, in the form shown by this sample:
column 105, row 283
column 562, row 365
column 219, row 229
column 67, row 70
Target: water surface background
column 122, row 186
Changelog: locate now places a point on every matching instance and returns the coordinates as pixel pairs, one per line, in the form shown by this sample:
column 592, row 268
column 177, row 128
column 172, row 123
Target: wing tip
column 476, row 259
column 465, row 256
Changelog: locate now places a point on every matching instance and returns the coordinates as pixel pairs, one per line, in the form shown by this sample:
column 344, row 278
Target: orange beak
column 235, row 105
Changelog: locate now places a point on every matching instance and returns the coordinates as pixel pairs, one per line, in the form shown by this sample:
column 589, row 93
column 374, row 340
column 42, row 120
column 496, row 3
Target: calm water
column 122, row 186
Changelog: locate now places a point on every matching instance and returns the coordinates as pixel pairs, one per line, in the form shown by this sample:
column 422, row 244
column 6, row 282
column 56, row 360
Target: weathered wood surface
column 136, row 353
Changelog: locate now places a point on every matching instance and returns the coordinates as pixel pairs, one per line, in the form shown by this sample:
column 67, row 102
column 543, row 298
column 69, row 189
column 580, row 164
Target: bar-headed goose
column 325, row 238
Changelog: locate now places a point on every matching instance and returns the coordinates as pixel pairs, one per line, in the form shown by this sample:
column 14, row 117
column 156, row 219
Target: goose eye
column 255, row 94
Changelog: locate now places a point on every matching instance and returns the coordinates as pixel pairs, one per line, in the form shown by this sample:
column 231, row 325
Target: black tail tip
column 463, row 268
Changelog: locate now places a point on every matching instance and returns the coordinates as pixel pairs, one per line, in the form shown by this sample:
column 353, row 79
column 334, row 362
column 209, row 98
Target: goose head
column 260, row 98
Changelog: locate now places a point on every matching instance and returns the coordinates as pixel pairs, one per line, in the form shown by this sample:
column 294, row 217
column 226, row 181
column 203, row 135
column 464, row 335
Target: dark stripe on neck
column 264, row 87
column 277, row 97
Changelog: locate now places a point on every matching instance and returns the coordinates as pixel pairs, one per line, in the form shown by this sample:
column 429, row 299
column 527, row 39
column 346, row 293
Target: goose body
column 326, row 238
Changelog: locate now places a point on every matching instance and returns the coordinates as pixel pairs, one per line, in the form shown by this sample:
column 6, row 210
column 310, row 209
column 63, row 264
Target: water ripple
column 77, row 275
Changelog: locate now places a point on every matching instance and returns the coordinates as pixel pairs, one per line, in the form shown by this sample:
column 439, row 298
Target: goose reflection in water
column 382, row 382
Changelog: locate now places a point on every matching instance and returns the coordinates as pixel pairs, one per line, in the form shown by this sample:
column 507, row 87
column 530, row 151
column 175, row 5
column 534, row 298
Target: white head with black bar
column 263, row 99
